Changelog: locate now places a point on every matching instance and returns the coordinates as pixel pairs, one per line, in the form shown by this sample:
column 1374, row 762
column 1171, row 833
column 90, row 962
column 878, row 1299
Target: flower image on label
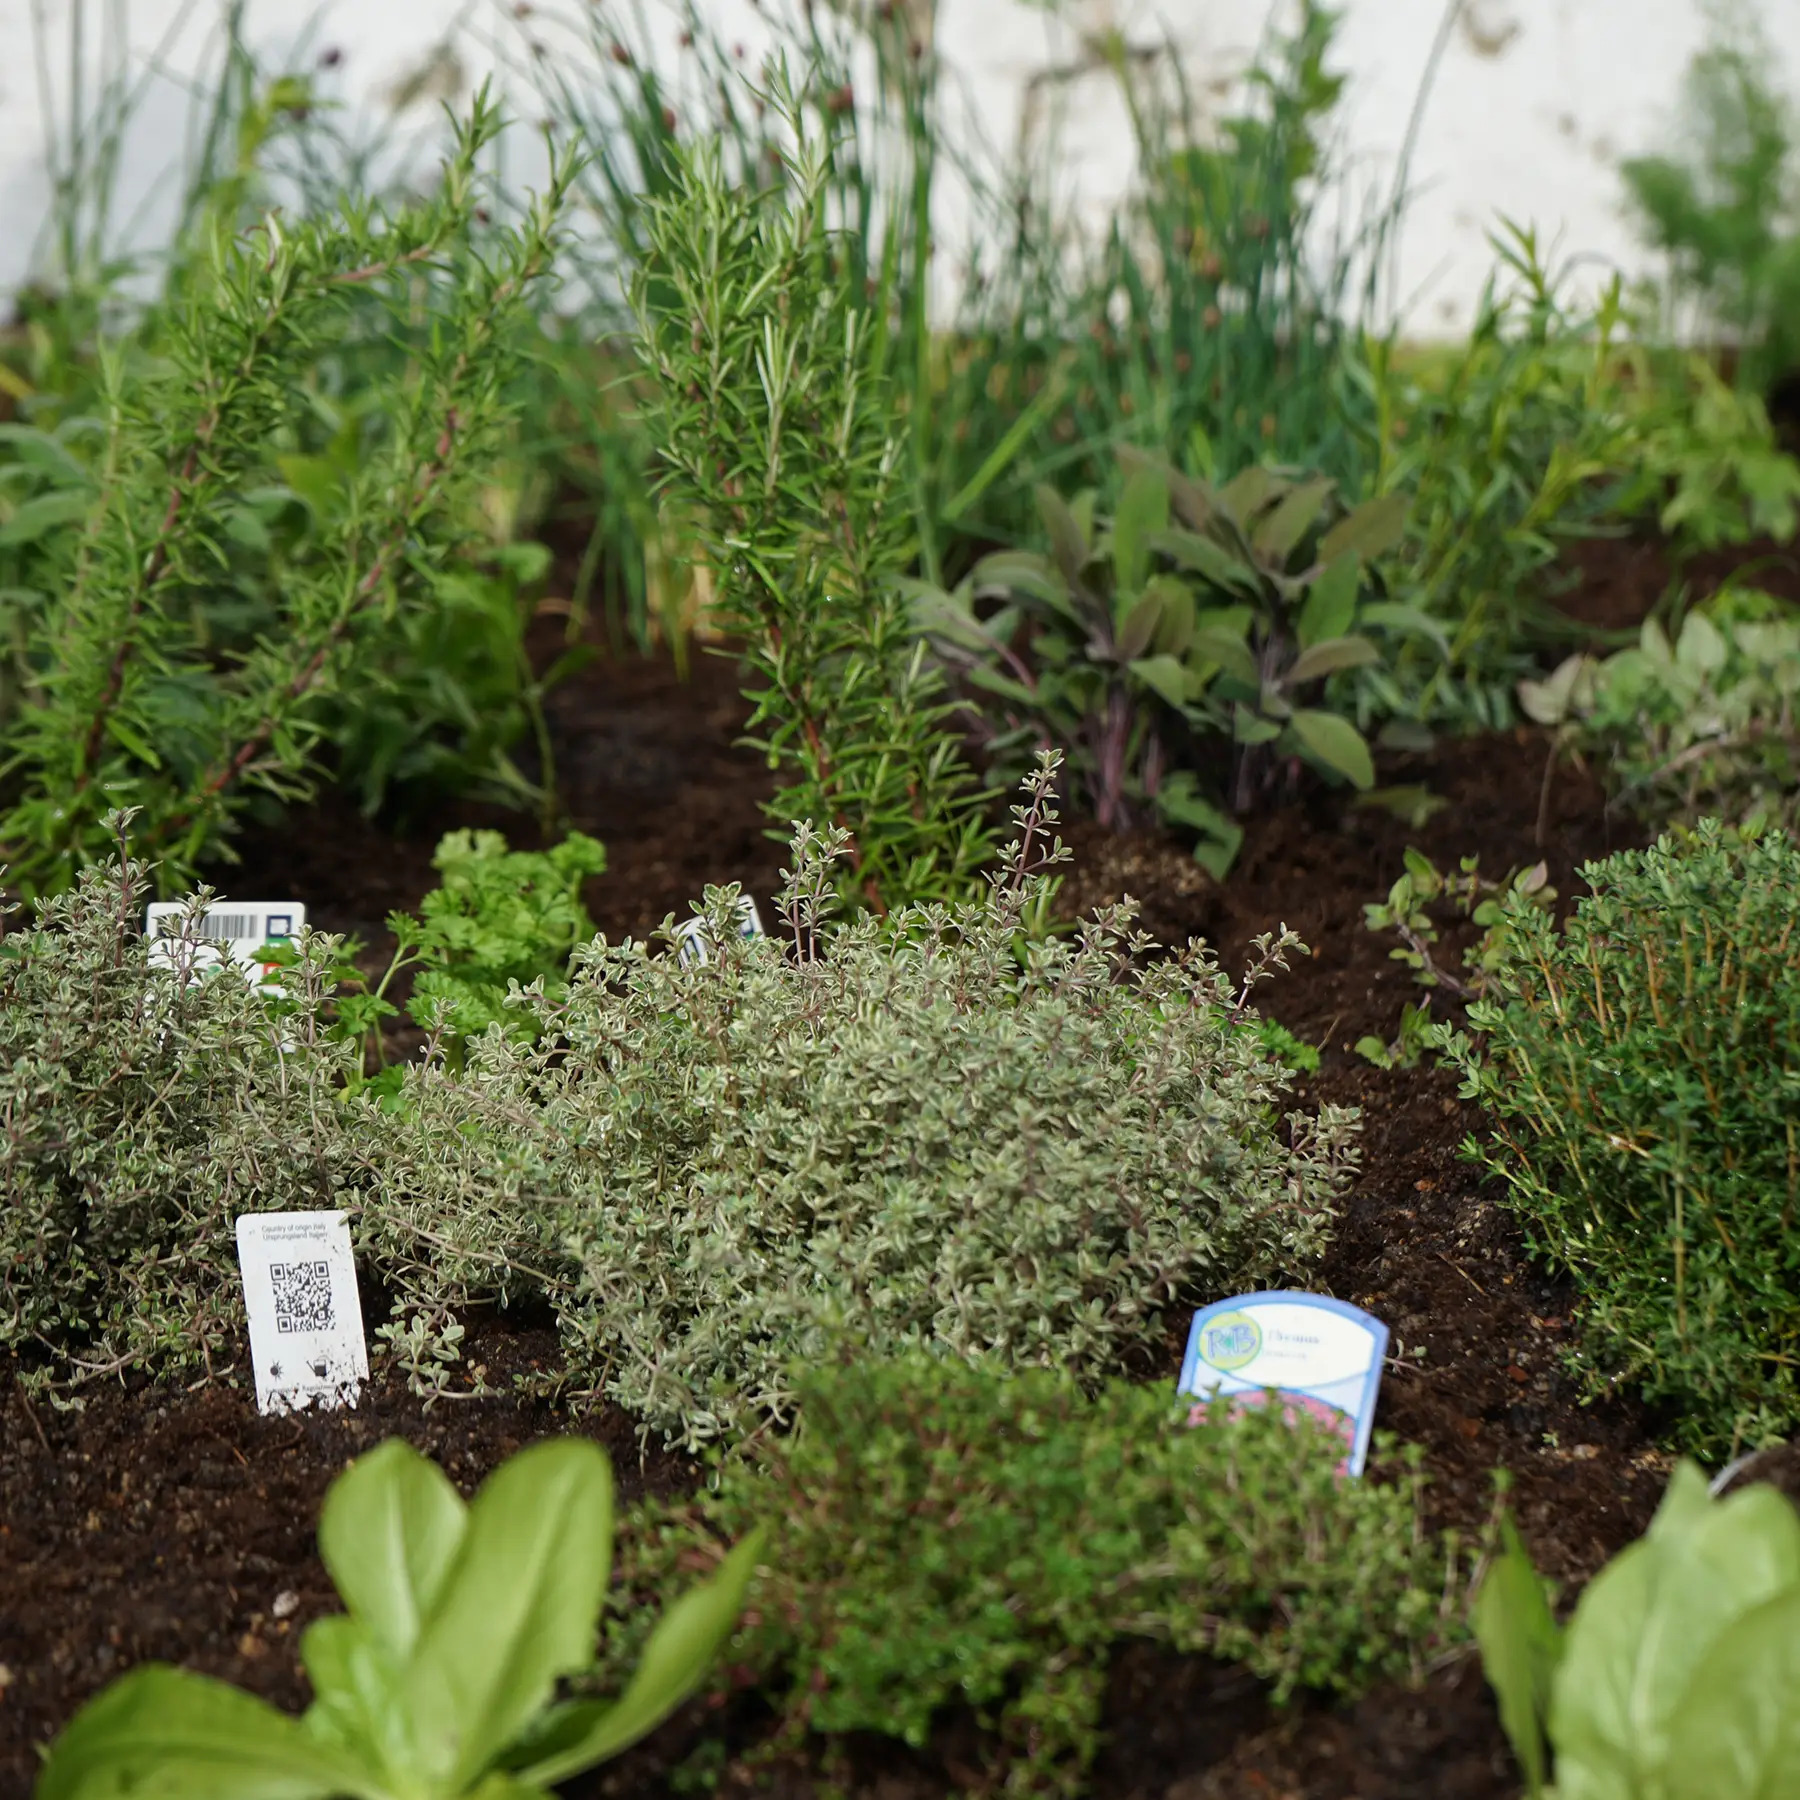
column 1316, row 1356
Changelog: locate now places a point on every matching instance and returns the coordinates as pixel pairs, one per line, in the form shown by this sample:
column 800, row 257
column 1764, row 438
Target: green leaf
column 1179, row 803
column 37, row 517
column 1138, row 627
column 356, row 1704
column 1328, row 657
column 1652, row 1616
column 1232, row 654
column 680, row 1652
column 518, row 1608
column 1396, row 615
column 1250, row 727
column 1519, row 1649
column 1737, row 1731
column 1068, row 542
column 1164, row 676
column 1175, row 627
column 1142, row 510
column 389, row 1531
column 1370, row 531
column 1209, row 559
column 1336, row 743
column 165, row 1734
column 1022, row 572
column 1249, row 491
column 1278, row 535
column 1550, row 701
column 1701, row 646
column 1330, row 603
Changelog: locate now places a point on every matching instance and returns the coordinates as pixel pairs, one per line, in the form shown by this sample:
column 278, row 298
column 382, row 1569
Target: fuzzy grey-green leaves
column 945, row 1129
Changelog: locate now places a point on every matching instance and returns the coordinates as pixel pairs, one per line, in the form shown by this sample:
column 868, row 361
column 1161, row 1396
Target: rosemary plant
column 771, row 415
column 129, row 700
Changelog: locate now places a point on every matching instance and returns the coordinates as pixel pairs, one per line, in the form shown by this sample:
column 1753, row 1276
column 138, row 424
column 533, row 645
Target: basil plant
column 1678, row 1678
column 437, row 1682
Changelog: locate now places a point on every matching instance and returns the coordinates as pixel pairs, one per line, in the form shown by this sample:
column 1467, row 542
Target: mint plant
column 438, row 1681
column 773, row 415
column 136, row 685
column 1638, row 1069
column 942, row 1129
column 1676, row 1674
column 947, row 1536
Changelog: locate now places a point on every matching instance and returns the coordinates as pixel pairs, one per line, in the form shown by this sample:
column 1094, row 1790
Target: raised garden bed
column 178, row 1525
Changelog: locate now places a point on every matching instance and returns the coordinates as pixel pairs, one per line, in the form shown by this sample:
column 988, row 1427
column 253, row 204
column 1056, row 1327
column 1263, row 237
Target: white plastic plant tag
column 306, row 1333
column 1321, row 1356
column 692, row 939
column 232, row 931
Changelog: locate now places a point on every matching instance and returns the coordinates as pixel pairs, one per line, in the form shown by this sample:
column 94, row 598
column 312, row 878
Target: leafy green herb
column 958, row 1536
column 773, row 416
column 132, row 693
column 438, row 1681
column 1676, row 1674
column 942, row 1128
column 1406, row 912
column 1639, row 1067
column 1701, row 726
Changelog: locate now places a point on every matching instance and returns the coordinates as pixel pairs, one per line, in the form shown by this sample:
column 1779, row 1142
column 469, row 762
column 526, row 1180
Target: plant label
column 1320, row 1356
column 692, row 939
column 306, row 1331
column 233, row 931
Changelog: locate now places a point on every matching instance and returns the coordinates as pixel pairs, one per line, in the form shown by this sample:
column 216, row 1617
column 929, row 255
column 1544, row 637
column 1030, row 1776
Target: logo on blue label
column 1318, row 1356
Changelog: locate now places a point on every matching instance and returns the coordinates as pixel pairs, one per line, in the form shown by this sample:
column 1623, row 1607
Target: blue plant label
column 693, row 939
column 233, row 931
column 1320, row 1356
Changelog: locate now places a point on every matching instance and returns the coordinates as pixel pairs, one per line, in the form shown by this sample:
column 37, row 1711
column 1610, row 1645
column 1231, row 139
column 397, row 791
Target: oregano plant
column 776, row 426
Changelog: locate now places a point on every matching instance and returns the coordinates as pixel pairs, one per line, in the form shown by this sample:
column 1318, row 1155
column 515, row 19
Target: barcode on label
column 214, row 928
column 302, row 1292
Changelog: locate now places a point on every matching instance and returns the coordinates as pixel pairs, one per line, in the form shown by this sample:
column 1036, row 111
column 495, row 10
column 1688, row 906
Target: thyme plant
column 945, row 1536
column 146, row 1108
column 128, row 697
column 941, row 1129
column 1639, row 1066
column 772, row 413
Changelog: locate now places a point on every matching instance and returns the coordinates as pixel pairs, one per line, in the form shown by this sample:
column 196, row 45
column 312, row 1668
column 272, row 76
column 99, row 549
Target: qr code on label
column 302, row 1296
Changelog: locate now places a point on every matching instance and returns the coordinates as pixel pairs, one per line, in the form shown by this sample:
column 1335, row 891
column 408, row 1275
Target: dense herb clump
column 146, row 1107
column 1701, row 726
column 1643, row 1069
column 772, row 414
column 943, row 1129
column 191, row 645
column 948, row 1535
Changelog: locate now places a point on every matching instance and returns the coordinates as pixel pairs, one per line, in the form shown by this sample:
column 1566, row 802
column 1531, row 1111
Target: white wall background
column 1533, row 104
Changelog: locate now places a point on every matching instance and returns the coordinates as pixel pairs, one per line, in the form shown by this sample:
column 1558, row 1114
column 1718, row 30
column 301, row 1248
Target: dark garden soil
column 178, row 1525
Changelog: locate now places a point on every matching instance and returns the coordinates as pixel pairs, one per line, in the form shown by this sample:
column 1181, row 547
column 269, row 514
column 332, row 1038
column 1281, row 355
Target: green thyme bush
column 1642, row 1068
column 945, row 1129
column 145, row 1109
column 948, row 1535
